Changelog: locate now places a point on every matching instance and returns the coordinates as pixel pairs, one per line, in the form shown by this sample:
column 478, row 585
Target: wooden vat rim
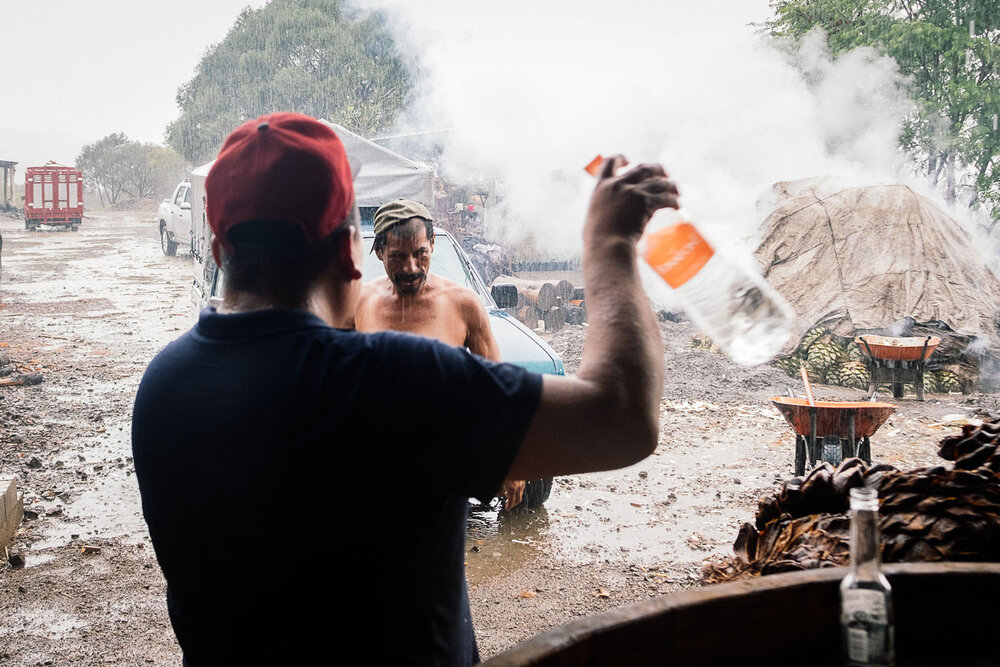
column 546, row 646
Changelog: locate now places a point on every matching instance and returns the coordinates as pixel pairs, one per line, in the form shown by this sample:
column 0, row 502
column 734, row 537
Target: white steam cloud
column 532, row 91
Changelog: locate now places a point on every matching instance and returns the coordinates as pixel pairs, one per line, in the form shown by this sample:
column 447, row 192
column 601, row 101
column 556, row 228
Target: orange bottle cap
column 595, row 165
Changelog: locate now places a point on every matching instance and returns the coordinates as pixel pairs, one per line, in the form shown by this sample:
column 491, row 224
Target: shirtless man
column 411, row 298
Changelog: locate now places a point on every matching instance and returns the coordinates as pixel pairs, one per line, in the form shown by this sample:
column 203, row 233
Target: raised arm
column 479, row 336
column 607, row 416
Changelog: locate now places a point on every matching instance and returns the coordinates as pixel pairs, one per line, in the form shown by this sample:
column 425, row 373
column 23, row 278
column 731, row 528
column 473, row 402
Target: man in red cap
column 305, row 504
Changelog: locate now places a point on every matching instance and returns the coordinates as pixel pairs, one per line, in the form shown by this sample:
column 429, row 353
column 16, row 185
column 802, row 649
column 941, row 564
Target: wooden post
column 11, row 509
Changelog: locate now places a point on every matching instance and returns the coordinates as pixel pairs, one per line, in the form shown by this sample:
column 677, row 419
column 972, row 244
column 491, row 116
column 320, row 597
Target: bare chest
column 433, row 318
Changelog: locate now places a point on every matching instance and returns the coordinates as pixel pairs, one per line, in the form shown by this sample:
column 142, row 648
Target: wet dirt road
column 89, row 309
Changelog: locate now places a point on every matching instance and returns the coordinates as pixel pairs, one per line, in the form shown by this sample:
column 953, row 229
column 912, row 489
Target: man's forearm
column 623, row 353
column 607, row 415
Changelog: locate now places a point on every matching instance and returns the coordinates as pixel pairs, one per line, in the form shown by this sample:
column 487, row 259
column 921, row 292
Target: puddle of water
column 666, row 509
column 109, row 508
column 36, row 559
column 42, row 623
column 500, row 542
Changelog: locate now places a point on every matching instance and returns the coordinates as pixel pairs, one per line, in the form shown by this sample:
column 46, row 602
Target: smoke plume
column 533, row 91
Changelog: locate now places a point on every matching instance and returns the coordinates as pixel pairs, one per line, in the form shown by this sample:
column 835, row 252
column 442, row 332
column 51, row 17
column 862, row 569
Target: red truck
column 53, row 195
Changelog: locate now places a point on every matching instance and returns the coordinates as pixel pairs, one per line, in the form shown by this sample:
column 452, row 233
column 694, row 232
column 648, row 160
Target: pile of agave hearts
column 927, row 514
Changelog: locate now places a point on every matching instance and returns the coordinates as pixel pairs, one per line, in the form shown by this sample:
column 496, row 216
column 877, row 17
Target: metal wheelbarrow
column 831, row 430
column 897, row 361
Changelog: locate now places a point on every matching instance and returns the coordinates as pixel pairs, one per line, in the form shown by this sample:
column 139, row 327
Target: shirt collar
column 213, row 324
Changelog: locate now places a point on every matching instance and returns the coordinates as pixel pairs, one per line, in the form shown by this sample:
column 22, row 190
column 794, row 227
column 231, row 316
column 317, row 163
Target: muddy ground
column 89, row 309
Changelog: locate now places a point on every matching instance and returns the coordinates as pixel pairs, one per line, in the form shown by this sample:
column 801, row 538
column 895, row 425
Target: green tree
column 310, row 56
column 116, row 166
column 104, row 166
column 950, row 49
column 167, row 167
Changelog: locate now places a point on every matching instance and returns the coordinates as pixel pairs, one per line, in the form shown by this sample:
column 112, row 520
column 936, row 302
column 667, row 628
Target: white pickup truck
column 175, row 219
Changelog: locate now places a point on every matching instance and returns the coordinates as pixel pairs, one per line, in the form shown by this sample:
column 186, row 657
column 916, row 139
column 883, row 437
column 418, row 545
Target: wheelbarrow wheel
column 832, row 451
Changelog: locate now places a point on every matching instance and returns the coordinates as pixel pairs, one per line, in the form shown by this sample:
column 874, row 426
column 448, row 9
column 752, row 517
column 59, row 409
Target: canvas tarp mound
column 860, row 259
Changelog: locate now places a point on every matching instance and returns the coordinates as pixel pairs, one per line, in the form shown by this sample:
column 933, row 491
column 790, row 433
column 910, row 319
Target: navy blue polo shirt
column 293, row 476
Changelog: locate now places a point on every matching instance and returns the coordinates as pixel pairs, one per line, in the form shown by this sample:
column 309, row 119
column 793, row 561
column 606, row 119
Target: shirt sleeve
column 468, row 415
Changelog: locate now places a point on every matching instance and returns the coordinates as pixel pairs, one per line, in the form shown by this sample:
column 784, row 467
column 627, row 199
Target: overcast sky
column 72, row 72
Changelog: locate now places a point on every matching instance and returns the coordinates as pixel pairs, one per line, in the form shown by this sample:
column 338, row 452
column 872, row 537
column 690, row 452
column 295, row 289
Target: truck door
column 180, row 209
column 186, row 215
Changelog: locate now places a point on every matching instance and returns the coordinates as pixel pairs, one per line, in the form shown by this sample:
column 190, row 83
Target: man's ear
column 380, row 253
column 216, row 249
column 345, row 254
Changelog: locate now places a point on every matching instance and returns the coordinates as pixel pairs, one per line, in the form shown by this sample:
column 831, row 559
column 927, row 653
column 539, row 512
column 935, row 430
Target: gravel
column 80, row 584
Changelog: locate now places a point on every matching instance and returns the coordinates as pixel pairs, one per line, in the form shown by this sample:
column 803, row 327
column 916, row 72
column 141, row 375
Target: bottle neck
column 866, row 559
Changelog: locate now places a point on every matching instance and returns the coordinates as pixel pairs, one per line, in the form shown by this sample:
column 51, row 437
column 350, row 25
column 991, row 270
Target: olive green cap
column 397, row 211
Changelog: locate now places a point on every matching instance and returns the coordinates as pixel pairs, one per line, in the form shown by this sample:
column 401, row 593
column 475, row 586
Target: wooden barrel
column 945, row 615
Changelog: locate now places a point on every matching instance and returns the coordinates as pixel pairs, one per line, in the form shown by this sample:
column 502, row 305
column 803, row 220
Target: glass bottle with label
column 866, row 617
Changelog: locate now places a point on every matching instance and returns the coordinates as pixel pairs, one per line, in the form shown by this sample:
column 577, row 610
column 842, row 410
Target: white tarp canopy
column 379, row 174
column 384, row 175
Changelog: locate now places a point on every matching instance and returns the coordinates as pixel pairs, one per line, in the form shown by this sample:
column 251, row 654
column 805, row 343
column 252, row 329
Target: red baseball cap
column 282, row 166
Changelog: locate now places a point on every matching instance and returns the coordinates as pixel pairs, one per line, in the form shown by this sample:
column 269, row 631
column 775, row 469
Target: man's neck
column 245, row 302
column 329, row 301
column 407, row 300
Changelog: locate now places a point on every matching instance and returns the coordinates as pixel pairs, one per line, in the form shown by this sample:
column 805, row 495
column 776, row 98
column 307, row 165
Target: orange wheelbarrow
column 831, row 430
column 897, row 361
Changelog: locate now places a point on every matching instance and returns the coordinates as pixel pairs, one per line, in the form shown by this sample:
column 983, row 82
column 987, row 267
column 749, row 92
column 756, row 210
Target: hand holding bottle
column 738, row 310
column 623, row 203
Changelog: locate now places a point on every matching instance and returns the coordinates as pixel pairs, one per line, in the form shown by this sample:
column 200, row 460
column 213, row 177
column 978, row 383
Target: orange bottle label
column 677, row 252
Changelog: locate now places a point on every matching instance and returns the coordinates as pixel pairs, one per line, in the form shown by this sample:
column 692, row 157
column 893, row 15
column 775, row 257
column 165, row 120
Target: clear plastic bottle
column 736, row 308
column 866, row 616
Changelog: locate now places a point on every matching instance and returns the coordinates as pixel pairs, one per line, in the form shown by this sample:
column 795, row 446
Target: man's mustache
column 407, row 277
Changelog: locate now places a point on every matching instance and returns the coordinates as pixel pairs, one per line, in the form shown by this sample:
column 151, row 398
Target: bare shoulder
column 372, row 293
column 457, row 294
column 375, row 288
